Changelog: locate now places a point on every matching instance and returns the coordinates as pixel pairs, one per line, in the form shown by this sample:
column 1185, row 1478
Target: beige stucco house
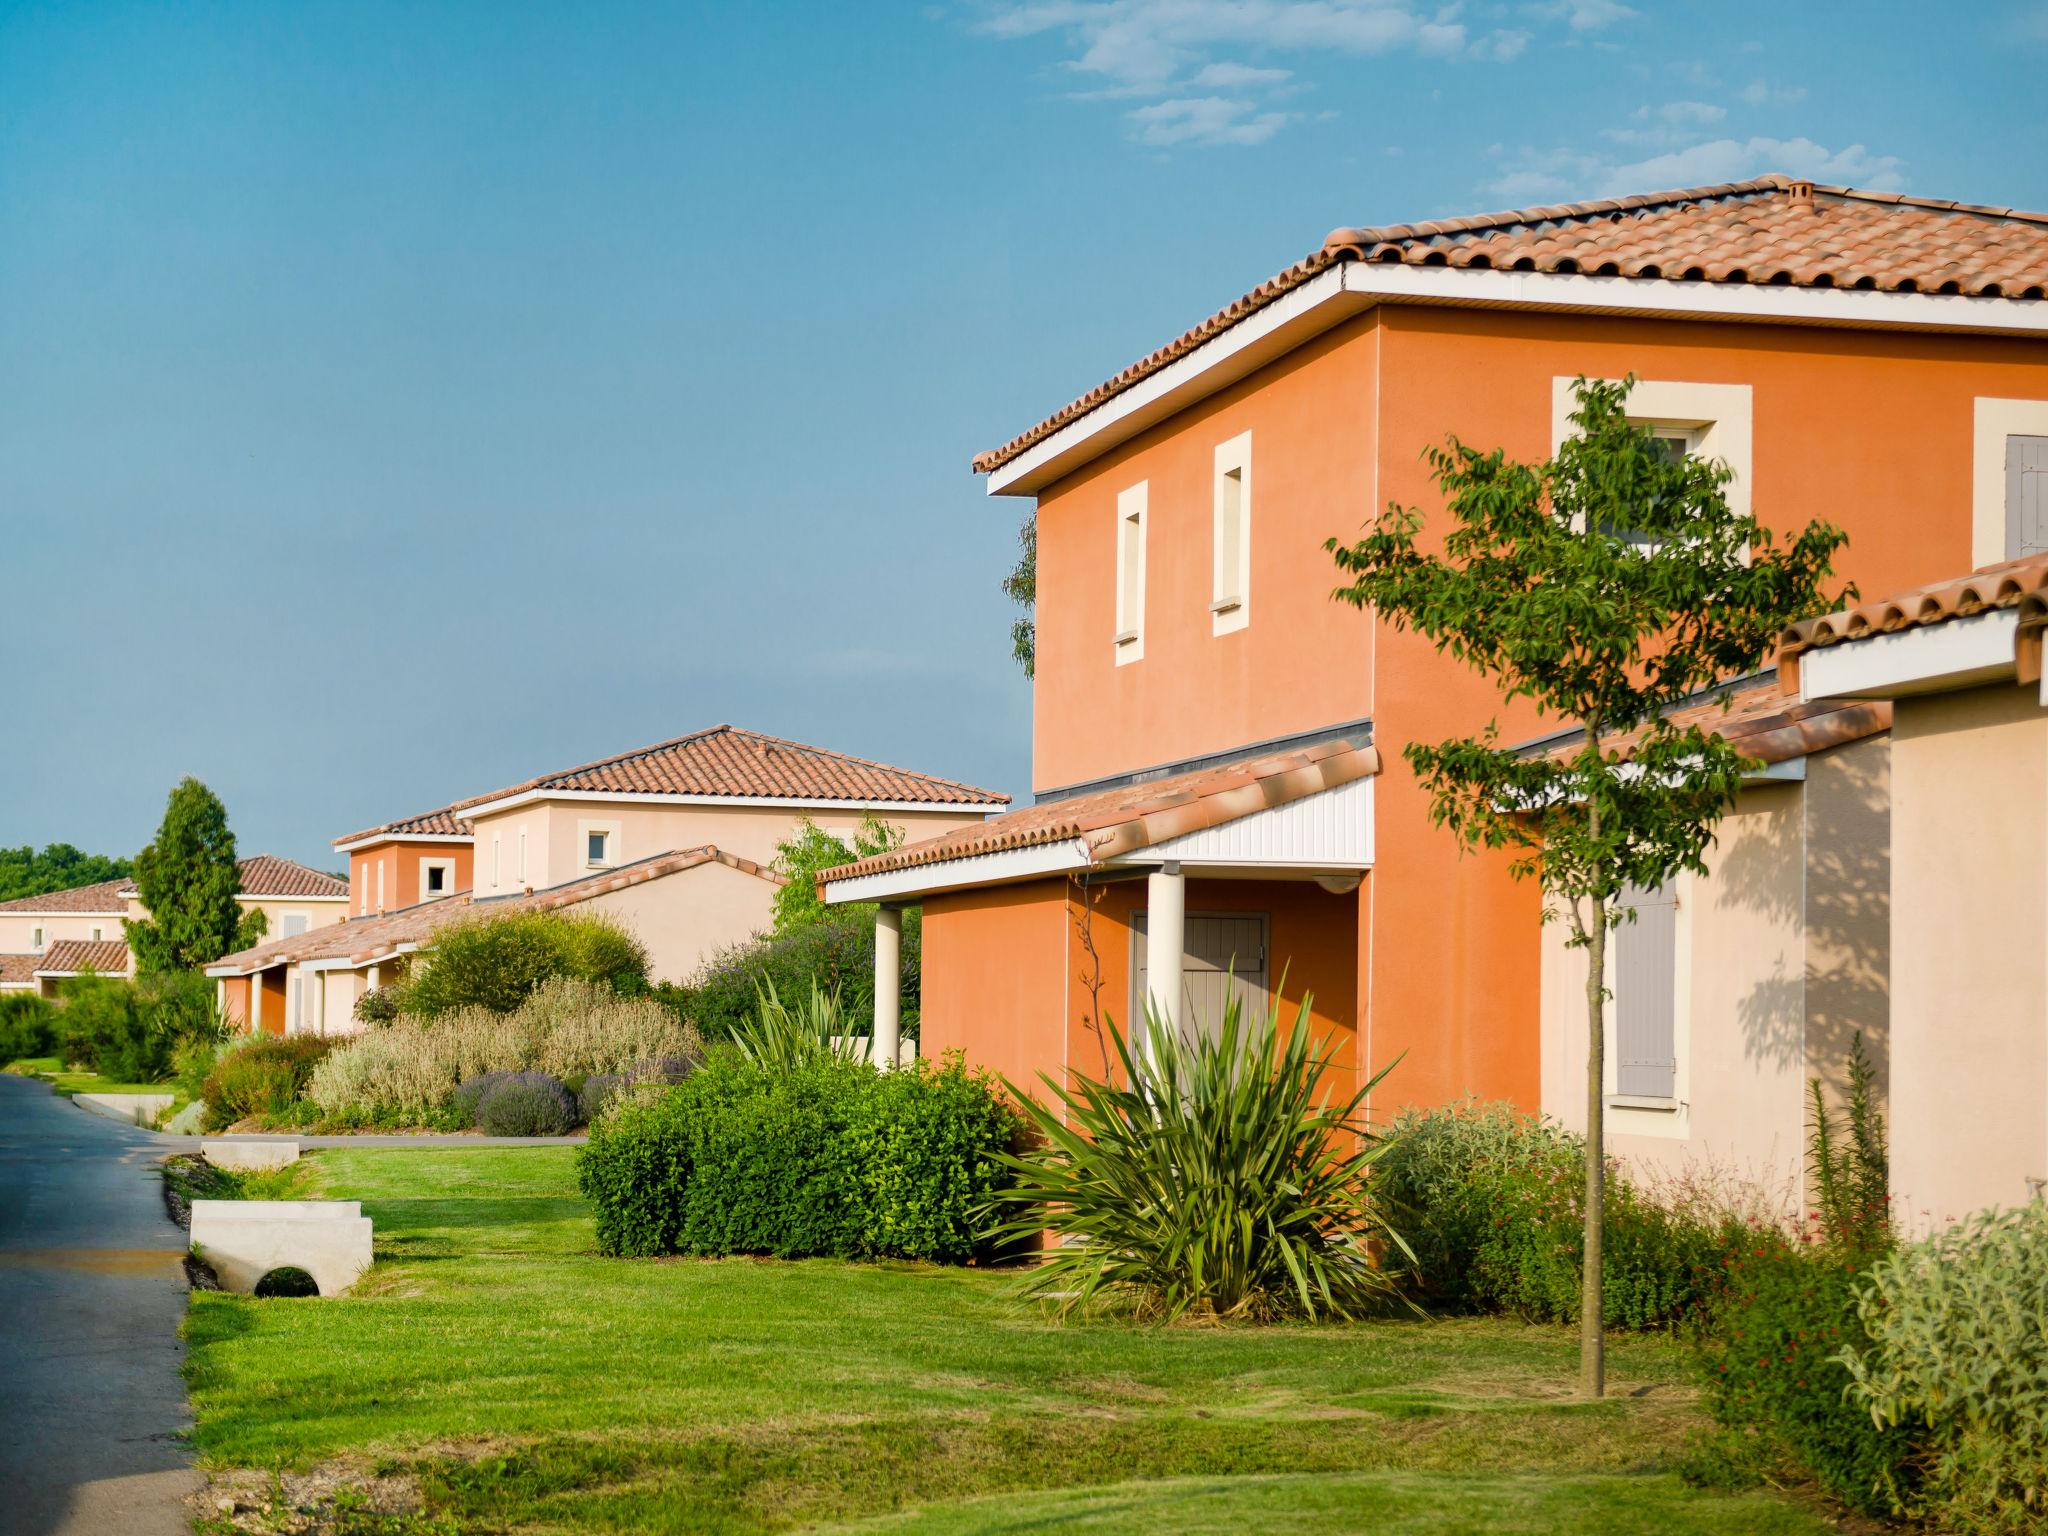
column 1732, row 990
column 1960, row 664
column 50, row 937
column 676, row 841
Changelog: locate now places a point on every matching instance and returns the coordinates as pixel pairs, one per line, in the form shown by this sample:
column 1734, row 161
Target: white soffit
column 1327, row 831
column 1958, row 653
column 954, row 874
column 1353, row 287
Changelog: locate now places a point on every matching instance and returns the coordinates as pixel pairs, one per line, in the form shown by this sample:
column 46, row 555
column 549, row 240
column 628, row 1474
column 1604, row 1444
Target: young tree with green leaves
column 59, row 867
column 1607, row 585
column 188, row 880
column 808, row 851
column 1021, row 588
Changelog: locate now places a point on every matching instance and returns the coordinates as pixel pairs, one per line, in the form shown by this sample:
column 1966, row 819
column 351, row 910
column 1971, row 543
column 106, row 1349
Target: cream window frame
column 1230, row 591
column 447, row 868
column 1717, row 418
column 614, row 839
column 1132, row 516
column 1994, row 421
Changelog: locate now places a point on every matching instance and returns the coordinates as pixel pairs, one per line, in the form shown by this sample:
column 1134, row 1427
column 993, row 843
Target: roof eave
column 1354, row 287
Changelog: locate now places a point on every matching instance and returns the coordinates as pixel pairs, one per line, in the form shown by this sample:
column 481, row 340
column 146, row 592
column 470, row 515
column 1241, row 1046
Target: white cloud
column 1583, row 15
column 1245, row 52
column 1691, row 112
column 1228, row 76
column 1204, row 120
column 1530, row 175
column 1761, row 93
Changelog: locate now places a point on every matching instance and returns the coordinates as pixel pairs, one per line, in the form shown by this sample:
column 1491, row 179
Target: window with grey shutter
column 1646, row 995
column 2026, row 496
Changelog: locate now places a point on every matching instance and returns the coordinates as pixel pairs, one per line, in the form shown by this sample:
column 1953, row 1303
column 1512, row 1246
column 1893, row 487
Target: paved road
column 91, row 1295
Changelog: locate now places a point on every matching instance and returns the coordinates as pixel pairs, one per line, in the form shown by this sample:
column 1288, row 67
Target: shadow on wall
column 1841, row 892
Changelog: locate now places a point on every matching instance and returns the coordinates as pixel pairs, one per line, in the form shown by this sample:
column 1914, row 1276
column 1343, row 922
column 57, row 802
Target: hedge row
column 834, row 1158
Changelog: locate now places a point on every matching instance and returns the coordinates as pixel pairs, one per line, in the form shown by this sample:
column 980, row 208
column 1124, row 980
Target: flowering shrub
column 1770, row 1354
column 262, row 1076
column 837, row 952
column 526, row 1104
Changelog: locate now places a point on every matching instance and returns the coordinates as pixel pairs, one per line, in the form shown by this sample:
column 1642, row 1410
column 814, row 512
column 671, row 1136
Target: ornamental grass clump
column 790, row 1035
column 1224, row 1177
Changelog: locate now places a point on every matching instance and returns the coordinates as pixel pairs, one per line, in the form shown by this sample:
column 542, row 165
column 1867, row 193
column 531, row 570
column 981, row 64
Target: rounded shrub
column 468, row 1099
column 526, row 1104
column 498, row 962
column 265, row 1075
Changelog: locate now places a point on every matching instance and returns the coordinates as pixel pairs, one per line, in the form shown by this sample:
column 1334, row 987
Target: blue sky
column 399, row 401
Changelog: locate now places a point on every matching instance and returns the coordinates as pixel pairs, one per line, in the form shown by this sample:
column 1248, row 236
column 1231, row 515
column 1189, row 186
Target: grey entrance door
column 1226, row 956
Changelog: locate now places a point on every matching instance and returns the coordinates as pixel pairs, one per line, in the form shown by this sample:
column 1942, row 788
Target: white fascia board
column 1957, row 653
column 247, row 896
column 401, row 837
column 1354, row 287
column 767, row 802
column 1317, row 305
column 1010, row 865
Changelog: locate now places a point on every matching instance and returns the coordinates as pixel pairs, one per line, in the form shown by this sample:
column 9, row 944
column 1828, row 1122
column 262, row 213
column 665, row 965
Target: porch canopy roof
column 1305, row 809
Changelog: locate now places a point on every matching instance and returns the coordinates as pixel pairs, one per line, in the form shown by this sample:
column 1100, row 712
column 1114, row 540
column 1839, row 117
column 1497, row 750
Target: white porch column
column 1166, row 927
column 888, row 985
column 255, row 1001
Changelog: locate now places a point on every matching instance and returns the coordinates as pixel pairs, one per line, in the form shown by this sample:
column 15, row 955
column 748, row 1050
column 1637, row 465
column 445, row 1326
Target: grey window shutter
column 1646, row 995
column 2026, row 496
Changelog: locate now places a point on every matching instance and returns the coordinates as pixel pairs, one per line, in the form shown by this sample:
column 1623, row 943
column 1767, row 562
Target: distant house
column 676, row 840
column 293, row 899
column 68, row 958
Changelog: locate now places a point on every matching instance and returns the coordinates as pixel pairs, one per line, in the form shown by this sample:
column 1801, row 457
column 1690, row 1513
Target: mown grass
column 51, row 1070
column 528, row 1384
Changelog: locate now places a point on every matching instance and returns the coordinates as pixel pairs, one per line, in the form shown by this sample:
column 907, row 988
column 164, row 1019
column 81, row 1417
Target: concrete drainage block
column 131, row 1108
column 250, row 1156
column 246, row 1240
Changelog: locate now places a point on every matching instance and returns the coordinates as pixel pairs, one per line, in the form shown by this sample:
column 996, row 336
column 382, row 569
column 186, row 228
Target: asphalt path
column 92, row 1290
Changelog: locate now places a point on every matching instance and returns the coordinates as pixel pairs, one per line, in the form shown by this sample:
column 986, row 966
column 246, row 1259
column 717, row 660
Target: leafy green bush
column 407, row 1072
column 129, row 1031
column 265, row 1075
column 379, row 1005
column 28, row 1026
column 498, row 962
column 1957, row 1353
column 1770, row 1348
column 526, row 1104
column 831, row 1157
column 1492, row 1200
column 835, row 951
column 1223, row 1176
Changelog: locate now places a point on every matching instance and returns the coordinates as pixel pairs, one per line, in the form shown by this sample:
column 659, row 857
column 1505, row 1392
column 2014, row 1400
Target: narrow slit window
column 1230, row 591
column 598, row 844
column 1130, row 573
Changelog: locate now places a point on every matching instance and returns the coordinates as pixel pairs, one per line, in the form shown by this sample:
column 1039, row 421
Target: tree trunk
column 1592, row 1313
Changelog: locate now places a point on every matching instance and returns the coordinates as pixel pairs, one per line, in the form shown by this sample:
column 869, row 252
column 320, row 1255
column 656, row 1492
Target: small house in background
column 86, row 920
column 676, row 841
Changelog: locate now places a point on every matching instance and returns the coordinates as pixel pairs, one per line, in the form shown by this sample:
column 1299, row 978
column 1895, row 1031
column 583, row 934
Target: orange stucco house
column 1217, row 744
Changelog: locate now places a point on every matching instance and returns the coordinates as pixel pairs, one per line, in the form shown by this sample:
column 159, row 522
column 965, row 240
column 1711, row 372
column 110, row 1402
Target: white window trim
column 1718, row 417
column 1129, row 637
column 522, row 856
column 443, row 864
column 1628, row 1115
column 614, row 844
column 380, row 886
column 36, row 940
column 497, row 861
column 1230, row 593
column 1996, row 420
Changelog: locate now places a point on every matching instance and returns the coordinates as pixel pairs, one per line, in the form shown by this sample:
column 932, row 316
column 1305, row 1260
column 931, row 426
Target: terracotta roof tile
column 265, row 874
column 69, row 957
column 1768, row 231
column 442, row 823
column 363, row 940
column 1759, row 720
column 1114, row 822
column 2020, row 584
column 18, row 970
column 107, row 898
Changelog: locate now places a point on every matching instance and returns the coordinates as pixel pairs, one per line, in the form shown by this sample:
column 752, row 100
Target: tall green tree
column 1021, row 588
column 807, row 852
column 58, row 867
column 1607, row 584
column 188, row 880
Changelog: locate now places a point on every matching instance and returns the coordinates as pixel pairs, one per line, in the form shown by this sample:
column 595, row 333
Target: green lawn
column 51, row 1070
column 528, row 1384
